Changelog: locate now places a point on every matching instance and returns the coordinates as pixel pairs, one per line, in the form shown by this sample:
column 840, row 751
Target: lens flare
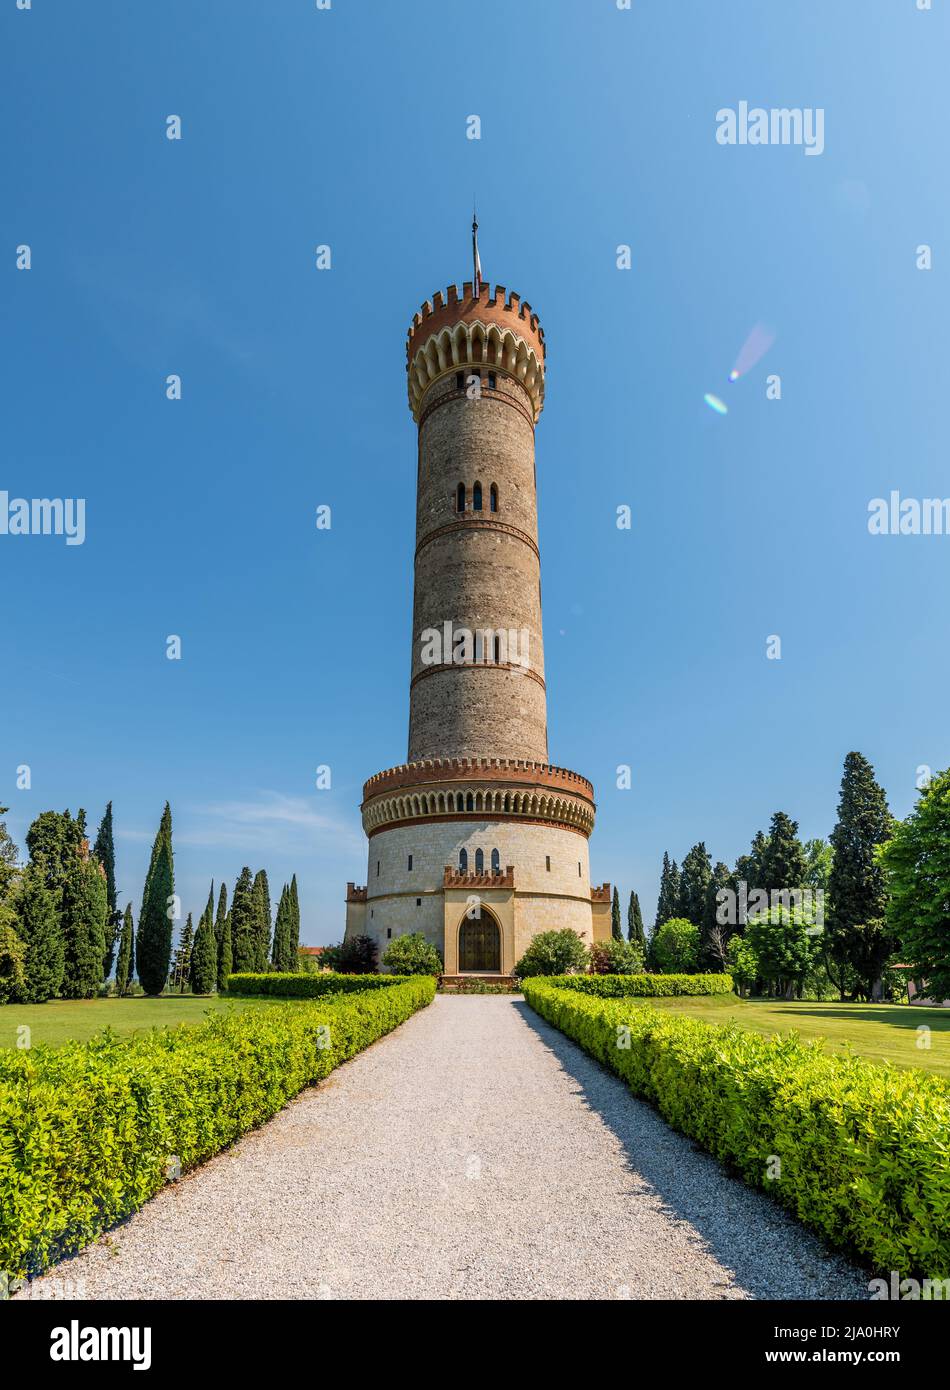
column 753, row 350
column 716, row 404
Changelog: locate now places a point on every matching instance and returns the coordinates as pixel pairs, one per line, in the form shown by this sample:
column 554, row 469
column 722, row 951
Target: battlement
column 355, row 894
column 601, row 894
column 462, row 878
column 494, row 328
column 477, row 769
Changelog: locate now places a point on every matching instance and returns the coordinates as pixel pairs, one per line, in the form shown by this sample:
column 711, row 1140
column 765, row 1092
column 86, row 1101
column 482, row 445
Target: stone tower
column 477, row 840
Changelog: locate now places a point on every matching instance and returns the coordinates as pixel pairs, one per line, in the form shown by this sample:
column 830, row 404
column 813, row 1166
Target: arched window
column 470, row 802
column 495, row 862
column 493, row 498
column 479, row 861
column 460, row 498
column 463, row 861
column 496, row 641
column 477, row 497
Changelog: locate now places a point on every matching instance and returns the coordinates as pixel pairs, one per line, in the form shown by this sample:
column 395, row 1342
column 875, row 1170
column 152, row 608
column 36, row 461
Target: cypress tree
column 153, row 944
column 294, row 946
column 225, row 955
column 281, row 931
column 84, row 908
column 262, row 916
column 783, row 866
column 667, row 904
column 749, row 867
column 221, row 915
column 245, row 937
column 856, row 935
column 53, row 841
column 204, row 953
column 104, row 851
column 616, row 929
column 38, row 927
column 694, row 883
column 635, row 932
column 125, row 963
column 181, row 968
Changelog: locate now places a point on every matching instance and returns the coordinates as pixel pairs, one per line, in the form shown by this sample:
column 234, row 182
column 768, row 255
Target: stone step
column 459, row 982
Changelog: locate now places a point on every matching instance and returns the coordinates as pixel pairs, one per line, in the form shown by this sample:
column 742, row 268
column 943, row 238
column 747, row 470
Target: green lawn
column 880, row 1032
column 63, row 1019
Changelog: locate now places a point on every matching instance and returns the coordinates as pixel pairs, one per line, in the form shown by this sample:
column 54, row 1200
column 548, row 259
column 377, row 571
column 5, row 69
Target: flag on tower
column 478, row 264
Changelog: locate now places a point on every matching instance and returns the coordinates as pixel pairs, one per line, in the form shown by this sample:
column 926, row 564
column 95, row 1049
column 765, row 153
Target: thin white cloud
column 272, row 822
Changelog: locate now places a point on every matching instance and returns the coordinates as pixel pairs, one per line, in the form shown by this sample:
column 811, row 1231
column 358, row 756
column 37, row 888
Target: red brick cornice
column 492, row 816
column 520, row 771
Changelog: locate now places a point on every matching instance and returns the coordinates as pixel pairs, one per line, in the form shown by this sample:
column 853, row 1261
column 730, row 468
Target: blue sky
column 348, row 127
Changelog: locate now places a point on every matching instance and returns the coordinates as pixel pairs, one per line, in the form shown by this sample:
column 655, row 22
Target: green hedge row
column 90, row 1131
column 293, row 986
column 863, row 1150
column 618, row 986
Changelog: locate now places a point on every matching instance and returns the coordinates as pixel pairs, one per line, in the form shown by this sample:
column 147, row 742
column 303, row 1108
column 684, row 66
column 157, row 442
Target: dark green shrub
column 305, row 986
column 616, row 957
column 88, row 1130
column 855, row 1150
column 357, row 956
column 412, row 954
column 553, row 953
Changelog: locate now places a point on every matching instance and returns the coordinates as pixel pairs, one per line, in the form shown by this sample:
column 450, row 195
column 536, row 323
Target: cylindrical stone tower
column 477, row 841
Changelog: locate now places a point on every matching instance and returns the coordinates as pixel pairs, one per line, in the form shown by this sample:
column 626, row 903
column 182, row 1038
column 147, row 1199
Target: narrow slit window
column 479, row 861
column 477, row 497
column 495, row 862
column 463, row 861
column 493, row 498
column 460, row 498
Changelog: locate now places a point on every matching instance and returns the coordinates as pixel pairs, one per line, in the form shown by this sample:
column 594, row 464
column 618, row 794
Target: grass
column 879, row 1032
column 61, row 1020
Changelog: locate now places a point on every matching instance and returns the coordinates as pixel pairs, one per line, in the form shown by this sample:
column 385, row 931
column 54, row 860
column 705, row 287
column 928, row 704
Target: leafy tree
column 357, row 956
column 783, row 948
column 38, row 927
column 104, row 851
column 635, row 933
column 714, row 934
column 694, row 882
column 262, row 916
column 153, row 945
column 53, row 842
column 245, row 936
column 84, row 908
column 616, row 957
column 917, row 863
column 204, row 953
column 125, row 963
column 743, row 964
column 12, row 952
column 857, row 886
column 819, row 857
column 616, row 929
column 412, row 954
column 8, row 858
column 225, row 955
column 783, row 864
column 675, row 947
column 181, row 969
column 553, row 953
column 667, row 903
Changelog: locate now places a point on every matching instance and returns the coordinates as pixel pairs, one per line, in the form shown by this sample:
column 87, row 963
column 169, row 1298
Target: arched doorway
column 479, row 944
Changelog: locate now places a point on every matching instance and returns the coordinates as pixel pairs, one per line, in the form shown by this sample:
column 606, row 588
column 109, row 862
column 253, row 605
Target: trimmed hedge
column 863, row 1148
column 294, row 986
column 88, row 1131
column 657, row 986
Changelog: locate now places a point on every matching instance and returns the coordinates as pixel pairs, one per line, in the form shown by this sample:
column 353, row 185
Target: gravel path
column 474, row 1153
